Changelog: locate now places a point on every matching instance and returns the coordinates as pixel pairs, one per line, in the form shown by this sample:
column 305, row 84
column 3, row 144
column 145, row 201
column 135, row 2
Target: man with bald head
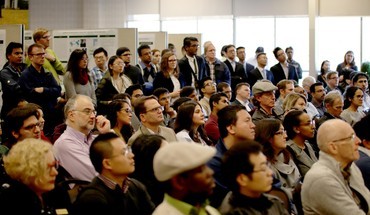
column 334, row 185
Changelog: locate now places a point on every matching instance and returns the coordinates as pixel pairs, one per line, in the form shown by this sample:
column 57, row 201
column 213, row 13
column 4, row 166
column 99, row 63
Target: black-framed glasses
column 87, row 111
column 156, row 109
column 32, row 126
column 352, row 138
column 39, row 54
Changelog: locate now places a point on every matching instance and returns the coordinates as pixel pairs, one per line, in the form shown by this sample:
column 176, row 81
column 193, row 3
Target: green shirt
column 184, row 207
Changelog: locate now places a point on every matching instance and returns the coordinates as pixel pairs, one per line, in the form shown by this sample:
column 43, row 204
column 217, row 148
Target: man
column 20, row 123
column 253, row 60
column 289, row 52
column 135, row 91
column 187, row 180
column 147, row 68
column 306, row 84
column 283, row 70
column 150, row 113
column 207, row 89
column 240, row 53
column 334, row 185
column 51, row 62
column 192, row 67
column 260, row 72
column 264, row 95
column 318, row 94
column 310, row 108
column 112, row 192
column 9, row 77
column 243, row 94
column 217, row 70
column 238, row 74
column 224, row 87
column 333, row 102
column 332, row 80
column 101, row 58
column 249, row 177
column 39, row 86
column 216, row 102
column 131, row 71
column 235, row 125
column 361, row 80
column 72, row 147
column 285, row 87
column 164, row 99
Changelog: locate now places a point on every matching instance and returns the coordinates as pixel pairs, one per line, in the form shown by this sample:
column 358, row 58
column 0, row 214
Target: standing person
column 114, row 82
column 77, row 79
column 147, row 68
column 32, row 169
column 192, row 67
column 348, row 64
column 289, row 52
column 52, row 63
column 188, row 182
column 9, row 77
column 101, row 57
column 283, row 70
column 260, row 72
column 300, row 128
column 189, row 124
column 217, row 70
column 133, row 72
column 119, row 114
column 237, row 71
column 334, row 185
column 240, row 53
column 40, row 87
column 354, row 98
column 249, row 177
column 168, row 77
column 112, row 192
column 325, row 68
column 156, row 59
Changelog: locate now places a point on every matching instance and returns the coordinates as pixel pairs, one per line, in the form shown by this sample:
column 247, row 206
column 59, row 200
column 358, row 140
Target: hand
column 50, row 57
column 102, row 124
column 175, row 94
column 39, row 89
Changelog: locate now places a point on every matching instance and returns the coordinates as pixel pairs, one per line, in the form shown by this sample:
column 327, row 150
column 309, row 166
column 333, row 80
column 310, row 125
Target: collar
column 79, row 135
column 261, row 204
column 190, row 58
column 184, row 207
column 113, row 185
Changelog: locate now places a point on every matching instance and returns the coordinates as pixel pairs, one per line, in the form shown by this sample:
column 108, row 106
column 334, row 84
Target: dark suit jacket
column 250, row 105
column 255, row 75
column 161, row 81
column 187, row 71
column 222, row 72
column 278, row 72
column 134, row 74
column 237, row 76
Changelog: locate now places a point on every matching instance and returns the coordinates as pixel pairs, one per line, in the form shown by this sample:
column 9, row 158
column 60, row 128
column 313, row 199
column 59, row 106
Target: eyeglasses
column 85, row 58
column 39, row 54
column 280, row 132
column 352, row 138
column 32, row 126
column 265, row 168
column 156, row 109
column 209, row 84
column 195, row 45
column 125, row 152
column 127, row 110
column 87, row 111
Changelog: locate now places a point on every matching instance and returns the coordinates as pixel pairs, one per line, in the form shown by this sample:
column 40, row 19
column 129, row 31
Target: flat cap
column 263, row 86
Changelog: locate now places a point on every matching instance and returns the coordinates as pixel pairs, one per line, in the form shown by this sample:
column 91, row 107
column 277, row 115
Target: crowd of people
column 180, row 133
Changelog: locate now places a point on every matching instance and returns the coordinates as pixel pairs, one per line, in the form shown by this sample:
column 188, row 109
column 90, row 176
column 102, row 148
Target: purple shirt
column 71, row 149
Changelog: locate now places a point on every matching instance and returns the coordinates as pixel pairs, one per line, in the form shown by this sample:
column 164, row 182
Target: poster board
column 156, row 40
column 9, row 33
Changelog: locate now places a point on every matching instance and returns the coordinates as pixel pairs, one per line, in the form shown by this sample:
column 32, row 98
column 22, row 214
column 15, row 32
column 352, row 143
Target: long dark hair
column 73, row 66
column 348, row 95
column 292, row 120
column 113, row 108
column 184, row 120
column 265, row 131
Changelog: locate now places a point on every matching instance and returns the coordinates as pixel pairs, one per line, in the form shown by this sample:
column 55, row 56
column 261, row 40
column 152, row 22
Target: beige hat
column 179, row 157
column 263, row 86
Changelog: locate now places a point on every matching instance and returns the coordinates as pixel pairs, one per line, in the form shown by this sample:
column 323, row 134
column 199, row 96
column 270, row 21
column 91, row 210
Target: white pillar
column 312, row 13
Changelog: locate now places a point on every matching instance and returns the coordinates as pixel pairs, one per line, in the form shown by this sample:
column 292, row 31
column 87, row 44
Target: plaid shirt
column 96, row 75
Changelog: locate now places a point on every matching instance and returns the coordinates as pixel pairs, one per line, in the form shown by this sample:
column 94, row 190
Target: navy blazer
column 237, row 76
column 278, row 72
column 255, row 75
column 187, row 71
column 222, row 72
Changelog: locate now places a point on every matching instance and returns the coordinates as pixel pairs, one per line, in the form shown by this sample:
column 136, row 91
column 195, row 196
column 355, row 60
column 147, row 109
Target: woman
column 300, row 128
column 156, row 58
column 271, row 134
column 295, row 101
column 77, row 79
column 354, row 97
column 168, row 77
column 325, row 67
column 144, row 148
column 189, row 124
column 348, row 64
column 119, row 114
column 113, row 82
column 31, row 168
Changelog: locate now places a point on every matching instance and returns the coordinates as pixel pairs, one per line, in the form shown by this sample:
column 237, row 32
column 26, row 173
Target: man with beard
column 131, row 71
column 186, row 179
column 72, row 147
